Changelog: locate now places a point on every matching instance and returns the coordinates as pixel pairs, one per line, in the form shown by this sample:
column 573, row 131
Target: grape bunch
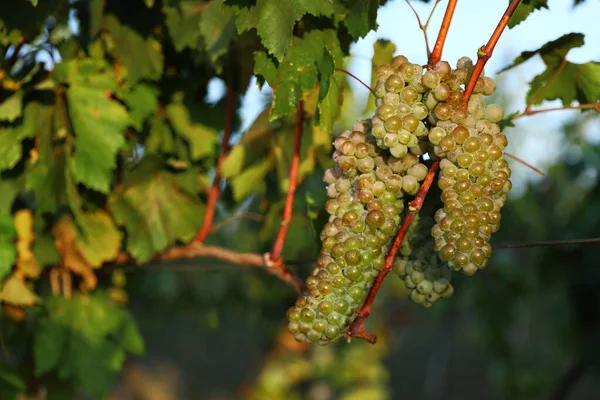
column 420, row 267
column 474, row 176
column 367, row 188
column 379, row 165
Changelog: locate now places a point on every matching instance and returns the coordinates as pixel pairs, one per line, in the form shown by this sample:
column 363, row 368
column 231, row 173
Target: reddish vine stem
column 485, row 52
column 436, row 54
column 590, row 106
column 214, row 193
column 525, row 163
column 355, row 77
column 357, row 328
column 275, row 255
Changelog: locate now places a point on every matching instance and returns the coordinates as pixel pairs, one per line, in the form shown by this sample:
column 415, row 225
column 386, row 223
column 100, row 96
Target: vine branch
column 568, row 380
column 436, row 54
column 357, row 328
column 485, row 52
column 547, row 243
column 587, row 106
column 424, row 27
column 215, row 191
column 198, row 250
column 288, row 209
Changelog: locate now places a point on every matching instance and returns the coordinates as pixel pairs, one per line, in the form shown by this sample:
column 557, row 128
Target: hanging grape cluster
column 380, row 165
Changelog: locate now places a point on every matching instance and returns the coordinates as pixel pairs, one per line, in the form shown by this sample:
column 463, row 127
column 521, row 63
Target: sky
column 535, row 138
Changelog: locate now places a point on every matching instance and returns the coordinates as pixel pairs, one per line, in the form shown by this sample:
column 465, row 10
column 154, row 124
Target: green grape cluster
column 379, row 164
column 474, row 176
column 367, row 188
column 419, row 266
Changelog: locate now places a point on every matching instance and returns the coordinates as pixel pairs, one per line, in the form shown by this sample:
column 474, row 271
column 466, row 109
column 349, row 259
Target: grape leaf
column 49, row 342
column 12, row 383
column 251, row 179
column 329, row 107
column 218, row 30
column 298, row 73
column 101, row 240
column 155, row 213
column 524, row 9
column 142, row 101
column 183, row 23
column 574, row 81
column 11, row 107
column 10, row 147
column 14, row 291
column 142, row 57
column 8, row 251
column 555, row 50
column 76, row 337
column 99, row 126
column 361, row 17
column 274, row 21
column 201, row 138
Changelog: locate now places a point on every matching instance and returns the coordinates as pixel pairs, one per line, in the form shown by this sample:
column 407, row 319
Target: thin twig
column 288, row 209
column 525, row 163
column 355, row 77
column 357, row 328
column 436, row 54
column 424, row 27
column 215, row 191
column 244, row 215
column 568, row 380
column 13, row 57
column 593, row 106
column 546, row 243
column 485, row 51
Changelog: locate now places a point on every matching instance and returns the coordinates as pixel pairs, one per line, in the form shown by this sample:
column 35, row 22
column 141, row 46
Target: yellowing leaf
column 14, row 291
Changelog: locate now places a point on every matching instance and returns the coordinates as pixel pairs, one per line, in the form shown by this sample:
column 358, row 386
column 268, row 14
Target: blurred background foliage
column 528, row 327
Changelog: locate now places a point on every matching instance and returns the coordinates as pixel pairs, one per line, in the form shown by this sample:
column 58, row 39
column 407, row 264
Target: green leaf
column 361, row 17
column 218, row 30
column 299, row 72
column 99, row 125
column 14, row 291
column 142, row 101
column 253, row 147
column 329, row 107
column 101, row 241
column 142, row 57
column 201, row 138
column 11, row 107
column 524, row 9
column 161, row 138
column 33, row 2
column 251, row 179
column 48, row 345
column 8, row 250
column 274, row 21
column 44, row 250
column 131, row 339
column 77, row 338
column 183, row 23
column 12, row 383
column 156, row 213
column 555, row 50
column 10, row 148
column 383, row 52
column 579, row 82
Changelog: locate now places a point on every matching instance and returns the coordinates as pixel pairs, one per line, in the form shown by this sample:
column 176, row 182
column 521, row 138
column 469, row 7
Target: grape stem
column 215, row 191
column 357, row 328
column 525, row 163
column 592, row 106
column 275, row 256
column 436, row 54
column 355, row 77
column 424, row 27
column 485, row 51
